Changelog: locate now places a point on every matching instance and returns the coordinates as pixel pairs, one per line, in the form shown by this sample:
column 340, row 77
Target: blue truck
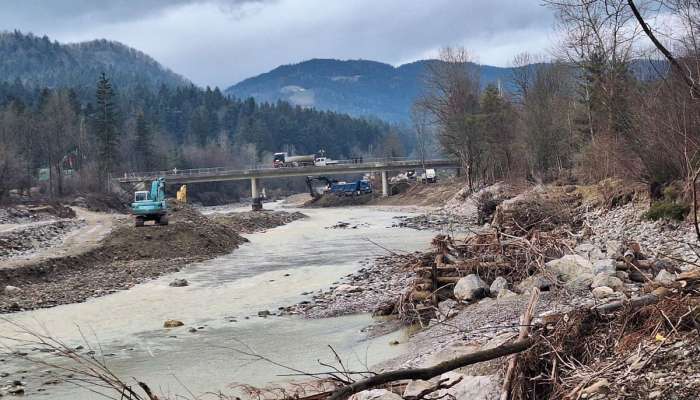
column 356, row 188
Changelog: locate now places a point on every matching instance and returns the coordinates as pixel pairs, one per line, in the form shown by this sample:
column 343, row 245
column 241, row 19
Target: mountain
column 39, row 62
column 356, row 87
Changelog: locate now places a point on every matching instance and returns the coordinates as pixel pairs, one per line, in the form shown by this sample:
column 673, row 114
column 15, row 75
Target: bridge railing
column 213, row 171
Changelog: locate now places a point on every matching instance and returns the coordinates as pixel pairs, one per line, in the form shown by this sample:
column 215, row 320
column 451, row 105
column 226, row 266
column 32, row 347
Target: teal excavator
column 151, row 205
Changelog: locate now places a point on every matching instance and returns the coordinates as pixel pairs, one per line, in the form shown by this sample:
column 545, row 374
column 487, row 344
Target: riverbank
column 125, row 257
column 593, row 256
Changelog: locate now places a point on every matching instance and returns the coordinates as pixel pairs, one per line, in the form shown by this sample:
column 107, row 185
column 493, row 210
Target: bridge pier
column 385, row 185
column 254, row 188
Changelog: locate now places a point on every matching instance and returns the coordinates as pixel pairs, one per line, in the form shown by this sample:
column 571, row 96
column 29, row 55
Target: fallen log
column 431, row 372
column 634, row 303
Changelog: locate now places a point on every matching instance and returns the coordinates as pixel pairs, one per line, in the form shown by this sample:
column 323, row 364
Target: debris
column 172, row 323
column 179, row 283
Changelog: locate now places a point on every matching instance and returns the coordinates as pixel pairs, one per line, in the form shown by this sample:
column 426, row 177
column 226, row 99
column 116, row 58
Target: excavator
column 151, row 205
column 316, row 190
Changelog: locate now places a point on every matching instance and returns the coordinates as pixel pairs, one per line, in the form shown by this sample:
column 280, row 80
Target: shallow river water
column 224, row 297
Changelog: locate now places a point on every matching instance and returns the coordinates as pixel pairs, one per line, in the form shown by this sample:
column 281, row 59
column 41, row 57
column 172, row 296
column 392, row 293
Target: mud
column 129, row 256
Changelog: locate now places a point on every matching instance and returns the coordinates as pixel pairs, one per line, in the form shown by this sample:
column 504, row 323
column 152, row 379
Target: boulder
column 12, row 290
column 172, row 323
column 602, row 292
column 179, row 283
column 375, row 394
column 606, row 265
column 624, row 275
column 665, row 278
column 498, row 284
column 264, row 313
column 570, row 266
column 415, row 388
column 538, row 280
column 614, row 249
column 603, row 279
column 471, row 287
column 581, row 283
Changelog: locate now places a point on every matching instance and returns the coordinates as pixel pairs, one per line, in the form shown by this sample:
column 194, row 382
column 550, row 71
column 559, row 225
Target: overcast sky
column 220, row 42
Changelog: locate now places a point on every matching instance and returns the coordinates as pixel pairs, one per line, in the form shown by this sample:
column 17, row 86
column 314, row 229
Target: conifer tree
column 143, row 145
column 106, row 128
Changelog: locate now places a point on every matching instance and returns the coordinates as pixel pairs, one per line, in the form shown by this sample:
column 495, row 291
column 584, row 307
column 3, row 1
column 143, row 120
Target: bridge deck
column 226, row 174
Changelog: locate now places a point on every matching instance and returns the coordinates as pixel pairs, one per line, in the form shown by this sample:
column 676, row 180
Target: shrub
column 667, row 210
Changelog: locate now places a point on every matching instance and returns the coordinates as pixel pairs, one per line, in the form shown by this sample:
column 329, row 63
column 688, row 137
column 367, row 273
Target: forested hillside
column 39, row 62
column 80, row 143
column 356, row 87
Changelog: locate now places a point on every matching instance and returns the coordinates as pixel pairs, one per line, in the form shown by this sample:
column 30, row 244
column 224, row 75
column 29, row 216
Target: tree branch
column 431, row 372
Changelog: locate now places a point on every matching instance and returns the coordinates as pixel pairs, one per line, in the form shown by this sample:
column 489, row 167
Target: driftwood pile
column 489, row 255
column 619, row 349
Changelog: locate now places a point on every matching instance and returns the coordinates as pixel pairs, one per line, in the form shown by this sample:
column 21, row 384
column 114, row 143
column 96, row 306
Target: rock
column 599, row 386
column 570, row 266
column 264, row 313
column 589, row 251
column 179, row 283
column 602, row 292
column 471, row 287
column 665, row 278
column 498, row 284
column 538, row 280
column 581, row 283
column 16, row 391
column 191, row 330
column 661, row 292
column 603, row 279
column 10, row 290
column 172, row 323
column 447, row 309
column 485, row 387
column 606, row 265
column 345, row 288
column 614, row 249
column 375, row 394
column 414, row 388
column 636, row 276
column 623, row 275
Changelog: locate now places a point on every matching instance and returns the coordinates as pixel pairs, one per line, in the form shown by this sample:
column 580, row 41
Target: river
column 223, row 299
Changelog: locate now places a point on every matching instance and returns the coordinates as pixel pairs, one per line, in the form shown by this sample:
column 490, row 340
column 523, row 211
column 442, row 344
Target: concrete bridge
column 221, row 174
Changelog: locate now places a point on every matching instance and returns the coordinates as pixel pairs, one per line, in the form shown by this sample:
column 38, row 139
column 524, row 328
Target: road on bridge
column 221, row 174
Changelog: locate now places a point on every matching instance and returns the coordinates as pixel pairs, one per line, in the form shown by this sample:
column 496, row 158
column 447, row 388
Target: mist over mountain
column 356, row 87
column 39, row 62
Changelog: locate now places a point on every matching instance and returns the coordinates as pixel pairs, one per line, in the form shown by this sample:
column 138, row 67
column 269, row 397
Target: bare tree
column 451, row 95
column 60, row 132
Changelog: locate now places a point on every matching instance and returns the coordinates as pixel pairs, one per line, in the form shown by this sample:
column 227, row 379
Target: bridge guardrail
column 214, row 171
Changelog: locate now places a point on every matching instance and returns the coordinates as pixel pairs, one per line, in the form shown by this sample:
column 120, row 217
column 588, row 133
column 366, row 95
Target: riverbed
column 276, row 268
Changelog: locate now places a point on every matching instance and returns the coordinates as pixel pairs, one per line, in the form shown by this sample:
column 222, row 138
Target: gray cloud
column 218, row 42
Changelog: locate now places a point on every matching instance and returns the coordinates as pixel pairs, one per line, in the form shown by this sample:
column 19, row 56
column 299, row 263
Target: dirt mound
column 189, row 234
column 421, row 194
column 256, row 221
column 331, row 200
column 102, row 202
